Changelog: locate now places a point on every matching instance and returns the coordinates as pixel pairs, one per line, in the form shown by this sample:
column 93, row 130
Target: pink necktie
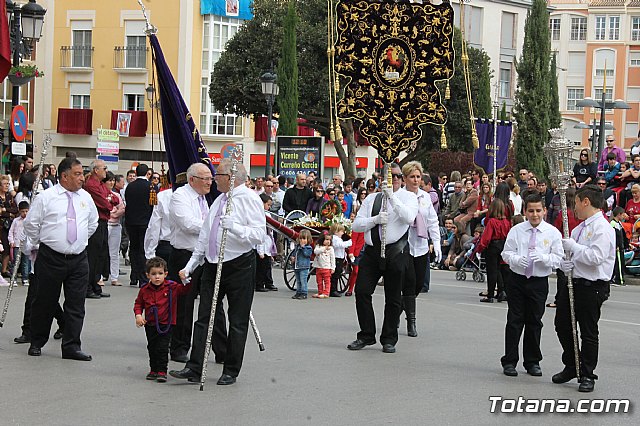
column 213, row 236
column 72, row 227
column 528, row 271
column 203, row 207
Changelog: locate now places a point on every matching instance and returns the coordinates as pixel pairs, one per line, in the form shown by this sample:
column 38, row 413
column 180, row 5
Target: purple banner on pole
column 483, row 156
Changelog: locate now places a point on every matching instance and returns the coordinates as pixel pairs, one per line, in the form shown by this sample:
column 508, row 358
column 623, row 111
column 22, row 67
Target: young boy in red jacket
column 159, row 302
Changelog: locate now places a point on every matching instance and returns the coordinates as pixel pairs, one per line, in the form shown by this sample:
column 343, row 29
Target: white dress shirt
column 159, row 228
column 548, row 241
column 339, row 246
column 420, row 246
column 46, row 221
column 185, row 218
column 279, row 196
column 594, row 254
column 402, row 211
column 248, row 212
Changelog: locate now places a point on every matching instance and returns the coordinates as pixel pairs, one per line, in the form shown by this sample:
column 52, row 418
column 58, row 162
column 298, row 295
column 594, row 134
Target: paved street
column 306, row 375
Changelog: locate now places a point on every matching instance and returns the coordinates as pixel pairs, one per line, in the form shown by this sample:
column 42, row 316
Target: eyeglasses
column 445, row 178
column 371, row 187
column 397, row 175
column 156, row 177
column 207, row 179
column 583, row 154
column 522, row 174
column 218, row 174
column 610, row 140
column 268, row 186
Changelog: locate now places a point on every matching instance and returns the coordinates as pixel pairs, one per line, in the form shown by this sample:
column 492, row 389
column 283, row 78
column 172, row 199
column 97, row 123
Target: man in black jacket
column 296, row 198
column 137, row 214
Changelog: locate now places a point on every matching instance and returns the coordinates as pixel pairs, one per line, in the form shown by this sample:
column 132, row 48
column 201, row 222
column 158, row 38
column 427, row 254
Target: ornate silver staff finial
column 150, row 28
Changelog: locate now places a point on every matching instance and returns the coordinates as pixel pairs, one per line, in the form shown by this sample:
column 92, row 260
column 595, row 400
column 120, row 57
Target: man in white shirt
column 402, row 208
column 424, row 228
column 533, row 250
column 157, row 238
column 592, row 248
column 245, row 227
column 61, row 220
column 187, row 212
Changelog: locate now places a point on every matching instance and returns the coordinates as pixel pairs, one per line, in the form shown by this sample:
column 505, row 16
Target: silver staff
column 236, row 157
column 16, row 261
column 387, row 183
column 558, row 152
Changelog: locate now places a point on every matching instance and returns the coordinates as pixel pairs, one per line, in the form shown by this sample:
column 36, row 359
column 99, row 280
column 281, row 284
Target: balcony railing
column 76, row 57
column 130, row 58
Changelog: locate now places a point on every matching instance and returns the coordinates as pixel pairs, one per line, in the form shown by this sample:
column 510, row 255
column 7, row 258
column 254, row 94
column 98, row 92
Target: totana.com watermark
column 523, row 405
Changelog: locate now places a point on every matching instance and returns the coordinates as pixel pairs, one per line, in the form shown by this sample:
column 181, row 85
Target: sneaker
column 152, row 375
column 303, row 297
column 161, row 377
column 296, row 296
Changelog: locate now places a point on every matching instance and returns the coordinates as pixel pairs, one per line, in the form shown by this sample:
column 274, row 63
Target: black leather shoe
column 388, row 348
column 22, row 339
column 534, row 370
column 261, row 290
column 185, row 373
column 586, row 385
column 335, row 294
column 509, row 370
column 502, row 297
column 487, row 300
column 180, row 358
column 58, row 334
column 103, row 294
column 359, row 344
column 34, row 351
column 133, row 283
column 77, row 356
column 564, row 376
column 93, row 296
column 271, row 287
column 226, row 379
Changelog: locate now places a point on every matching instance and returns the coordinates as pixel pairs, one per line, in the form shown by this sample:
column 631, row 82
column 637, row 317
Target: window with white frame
column 635, row 28
column 507, row 30
column 81, row 48
column 134, row 96
column 597, row 95
column 578, row 28
column 505, row 80
column 554, row 28
column 80, row 95
column 217, row 31
column 6, row 92
column 601, row 27
column 576, row 63
column 605, row 59
column 135, row 44
column 634, row 59
column 574, row 94
column 614, row 27
column 472, row 23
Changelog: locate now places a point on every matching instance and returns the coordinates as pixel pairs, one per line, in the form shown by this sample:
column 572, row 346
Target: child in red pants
column 325, row 264
column 357, row 239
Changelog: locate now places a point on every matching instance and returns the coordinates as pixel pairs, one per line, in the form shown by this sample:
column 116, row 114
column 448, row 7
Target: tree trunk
column 347, row 159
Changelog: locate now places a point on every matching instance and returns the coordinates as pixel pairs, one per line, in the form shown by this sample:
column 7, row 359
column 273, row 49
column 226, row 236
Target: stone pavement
column 306, row 375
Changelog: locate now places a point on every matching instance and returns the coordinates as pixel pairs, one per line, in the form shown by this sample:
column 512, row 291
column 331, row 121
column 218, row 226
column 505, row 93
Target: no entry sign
column 19, row 124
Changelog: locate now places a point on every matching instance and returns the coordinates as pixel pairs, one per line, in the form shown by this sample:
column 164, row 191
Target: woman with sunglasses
column 584, row 171
column 371, row 186
column 315, row 204
column 357, row 203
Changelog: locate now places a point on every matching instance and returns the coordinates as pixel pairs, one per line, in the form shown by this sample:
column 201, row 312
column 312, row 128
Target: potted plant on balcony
column 23, row 74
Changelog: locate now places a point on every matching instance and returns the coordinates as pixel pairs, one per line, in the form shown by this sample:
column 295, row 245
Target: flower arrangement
column 26, row 71
column 311, row 221
column 330, row 209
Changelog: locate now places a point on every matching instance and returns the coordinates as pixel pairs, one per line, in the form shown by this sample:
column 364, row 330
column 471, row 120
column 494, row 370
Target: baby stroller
column 473, row 262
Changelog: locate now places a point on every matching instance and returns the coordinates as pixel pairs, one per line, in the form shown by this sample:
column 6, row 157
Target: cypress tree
column 503, row 112
column 288, row 75
column 555, row 119
column 484, row 107
column 532, row 109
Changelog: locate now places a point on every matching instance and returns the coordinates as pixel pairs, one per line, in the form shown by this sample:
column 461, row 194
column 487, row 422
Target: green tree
column 555, row 118
column 288, row 75
column 532, row 108
column 484, row 104
column 503, row 112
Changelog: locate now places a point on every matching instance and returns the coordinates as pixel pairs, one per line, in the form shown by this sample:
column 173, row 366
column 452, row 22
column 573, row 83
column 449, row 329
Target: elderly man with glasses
column 621, row 157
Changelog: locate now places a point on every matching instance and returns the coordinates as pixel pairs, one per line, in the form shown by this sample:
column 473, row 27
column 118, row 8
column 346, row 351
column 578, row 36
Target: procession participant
column 157, row 238
column 533, row 249
column 592, row 249
column 61, row 219
column 245, row 229
column 188, row 211
column 136, row 216
column 424, row 230
column 402, row 208
column 97, row 247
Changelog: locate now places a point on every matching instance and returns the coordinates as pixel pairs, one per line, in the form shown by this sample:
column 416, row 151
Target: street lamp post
column 602, row 105
column 594, row 133
column 270, row 90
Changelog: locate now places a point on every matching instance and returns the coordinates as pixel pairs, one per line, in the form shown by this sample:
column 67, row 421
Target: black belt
column 589, row 283
column 46, row 249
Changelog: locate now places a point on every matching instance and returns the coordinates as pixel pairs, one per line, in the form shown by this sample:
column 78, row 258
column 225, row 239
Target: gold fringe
column 474, row 137
column 443, row 139
column 447, row 92
column 332, row 135
column 338, row 132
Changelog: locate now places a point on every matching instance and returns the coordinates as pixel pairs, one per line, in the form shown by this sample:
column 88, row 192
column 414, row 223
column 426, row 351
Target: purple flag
column 483, row 156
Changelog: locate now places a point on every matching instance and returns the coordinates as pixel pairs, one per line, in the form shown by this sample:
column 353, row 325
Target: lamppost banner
column 298, row 154
column 483, row 156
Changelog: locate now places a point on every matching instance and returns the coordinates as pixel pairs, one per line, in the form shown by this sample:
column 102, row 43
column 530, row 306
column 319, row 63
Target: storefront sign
column 299, row 154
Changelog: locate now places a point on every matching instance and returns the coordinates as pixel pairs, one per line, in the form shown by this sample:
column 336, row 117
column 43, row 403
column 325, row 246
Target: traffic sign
column 19, row 125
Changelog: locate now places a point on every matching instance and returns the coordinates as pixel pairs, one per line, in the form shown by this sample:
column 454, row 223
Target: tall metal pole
column 267, row 164
column 603, row 107
column 594, row 152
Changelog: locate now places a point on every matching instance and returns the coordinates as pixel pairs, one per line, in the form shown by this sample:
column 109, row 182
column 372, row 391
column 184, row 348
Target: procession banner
column 483, row 156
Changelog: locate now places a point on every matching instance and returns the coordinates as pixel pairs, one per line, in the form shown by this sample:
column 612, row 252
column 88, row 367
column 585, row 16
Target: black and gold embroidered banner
column 392, row 54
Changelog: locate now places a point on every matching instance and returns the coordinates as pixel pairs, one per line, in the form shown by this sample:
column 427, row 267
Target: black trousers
column 416, row 272
column 588, row 298
column 31, row 294
column 70, row 272
column 527, row 297
column 492, row 258
column 164, row 250
column 181, row 338
column 337, row 274
column 264, row 276
column 136, row 253
column 237, row 283
column 369, row 272
column 95, row 251
column 158, row 347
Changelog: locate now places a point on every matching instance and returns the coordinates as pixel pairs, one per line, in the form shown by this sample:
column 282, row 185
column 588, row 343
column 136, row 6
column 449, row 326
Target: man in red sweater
column 98, row 241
